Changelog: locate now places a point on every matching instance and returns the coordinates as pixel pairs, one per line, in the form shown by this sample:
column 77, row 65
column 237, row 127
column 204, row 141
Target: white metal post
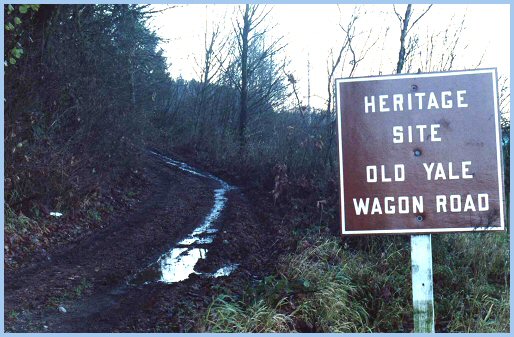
column 422, row 283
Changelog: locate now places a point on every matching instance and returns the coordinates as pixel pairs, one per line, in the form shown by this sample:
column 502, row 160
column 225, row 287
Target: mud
column 92, row 278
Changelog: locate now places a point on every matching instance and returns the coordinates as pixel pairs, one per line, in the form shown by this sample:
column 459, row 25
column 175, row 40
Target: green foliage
column 327, row 301
column 228, row 315
column 68, row 295
column 23, row 234
column 311, row 292
column 15, row 32
column 380, row 268
column 17, row 52
column 17, row 222
column 82, row 287
column 471, row 281
column 87, row 86
column 82, row 83
column 96, row 103
column 94, row 215
column 364, row 285
column 13, row 314
column 23, row 9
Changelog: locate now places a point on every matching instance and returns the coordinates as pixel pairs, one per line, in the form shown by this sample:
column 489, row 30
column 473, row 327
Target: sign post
column 420, row 154
column 422, row 283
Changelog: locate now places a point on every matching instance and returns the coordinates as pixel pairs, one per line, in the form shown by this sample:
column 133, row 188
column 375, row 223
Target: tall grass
column 364, row 285
column 228, row 315
column 310, row 292
column 471, row 281
column 325, row 300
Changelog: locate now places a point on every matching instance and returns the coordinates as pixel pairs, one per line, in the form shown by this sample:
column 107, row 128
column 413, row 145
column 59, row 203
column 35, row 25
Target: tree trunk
column 243, row 114
column 401, row 56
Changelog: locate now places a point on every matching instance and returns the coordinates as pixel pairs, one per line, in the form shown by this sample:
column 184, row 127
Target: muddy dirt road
column 115, row 279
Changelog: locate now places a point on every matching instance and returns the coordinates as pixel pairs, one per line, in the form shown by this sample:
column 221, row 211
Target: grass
column 22, row 235
column 17, row 222
column 364, row 285
column 309, row 293
column 325, row 296
column 229, row 315
column 71, row 294
column 471, row 281
column 13, row 314
column 83, row 286
column 94, row 215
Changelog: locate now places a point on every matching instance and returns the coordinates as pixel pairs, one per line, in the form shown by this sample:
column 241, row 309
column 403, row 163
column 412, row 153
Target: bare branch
column 397, row 15
column 168, row 7
column 419, row 17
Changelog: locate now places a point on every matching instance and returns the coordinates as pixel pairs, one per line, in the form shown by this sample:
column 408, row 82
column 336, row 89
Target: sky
column 311, row 31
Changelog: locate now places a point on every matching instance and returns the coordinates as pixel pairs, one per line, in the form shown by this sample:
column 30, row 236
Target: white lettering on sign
column 455, row 203
column 441, row 100
column 409, row 154
column 398, row 102
column 369, row 104
column 418, row 132
column 446, row 103
column 460, row 99
column 432, row 102
column 383, row 103
column 372, row 173
column 390, row 205
column 440, row 172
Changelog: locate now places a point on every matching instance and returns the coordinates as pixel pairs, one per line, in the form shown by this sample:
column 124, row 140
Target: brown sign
column 420, row 153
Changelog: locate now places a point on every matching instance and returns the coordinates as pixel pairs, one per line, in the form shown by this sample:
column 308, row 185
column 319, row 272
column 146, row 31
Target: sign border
column 499, row 154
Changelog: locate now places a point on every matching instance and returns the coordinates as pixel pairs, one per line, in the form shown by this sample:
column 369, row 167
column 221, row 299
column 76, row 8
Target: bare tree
column 405, row 52
column 254, row 55
column 437, row 50
column 244, row 32
column 348, row 53
column 211, row 66
column 308, row 83
column 441, row 48
column 504, row 100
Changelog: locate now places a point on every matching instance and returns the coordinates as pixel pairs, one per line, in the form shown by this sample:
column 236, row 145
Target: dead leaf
column 321, row 203
column 281, row 181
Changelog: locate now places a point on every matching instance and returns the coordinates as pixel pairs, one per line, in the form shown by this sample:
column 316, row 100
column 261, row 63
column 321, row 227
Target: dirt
column 89, row 278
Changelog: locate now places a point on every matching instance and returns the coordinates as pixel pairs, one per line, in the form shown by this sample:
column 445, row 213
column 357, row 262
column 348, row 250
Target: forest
column 89, row 93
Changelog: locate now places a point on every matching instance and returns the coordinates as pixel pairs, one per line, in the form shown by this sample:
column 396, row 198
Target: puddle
column 225, row 271
column 185, row 167
column 178, row 264
column 196, row 240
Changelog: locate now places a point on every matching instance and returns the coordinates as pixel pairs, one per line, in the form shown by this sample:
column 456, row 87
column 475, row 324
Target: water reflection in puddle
column 179, row 263
column 176, row 266
column 194, row 239
column 225, row 271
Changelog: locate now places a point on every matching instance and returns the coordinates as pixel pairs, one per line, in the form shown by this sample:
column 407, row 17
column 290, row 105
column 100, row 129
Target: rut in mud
column 156, row 268
column 179, row 263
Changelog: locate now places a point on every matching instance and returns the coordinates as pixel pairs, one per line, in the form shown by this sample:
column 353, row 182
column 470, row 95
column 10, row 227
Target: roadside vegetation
column 329, row 285
column 87, row 90
column 73, row 118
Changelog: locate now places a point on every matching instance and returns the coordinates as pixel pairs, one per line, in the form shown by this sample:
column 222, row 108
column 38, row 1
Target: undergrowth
column 364, row 285
column 471, row 281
